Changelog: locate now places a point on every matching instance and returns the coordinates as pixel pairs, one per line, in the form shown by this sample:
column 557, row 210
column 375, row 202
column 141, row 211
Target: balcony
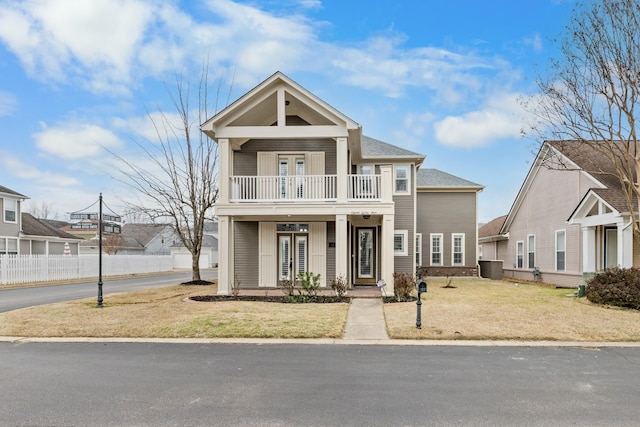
column 303, row 188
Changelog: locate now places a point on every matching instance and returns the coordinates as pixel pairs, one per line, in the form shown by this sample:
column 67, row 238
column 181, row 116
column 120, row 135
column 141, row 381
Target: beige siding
column 245, row 238
column 448, row 213
column 317, row 250
column 268, row 254
column 550, row 200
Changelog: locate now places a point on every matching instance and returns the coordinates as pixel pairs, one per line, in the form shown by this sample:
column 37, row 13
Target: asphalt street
column 154, row 384
column 13, row 299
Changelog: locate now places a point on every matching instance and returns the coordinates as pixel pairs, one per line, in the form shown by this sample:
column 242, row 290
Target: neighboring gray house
column 138, row 239
column 208, row 254
column 565, row 224
column 21, row 233
column 447, row 218
column 301, row 189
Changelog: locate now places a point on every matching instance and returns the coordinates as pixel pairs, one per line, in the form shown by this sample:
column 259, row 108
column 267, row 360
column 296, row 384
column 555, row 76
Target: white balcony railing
column 302, row 188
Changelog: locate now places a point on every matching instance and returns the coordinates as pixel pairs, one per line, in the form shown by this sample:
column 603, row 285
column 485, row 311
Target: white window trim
column 418, row 249
column 4, row 210
column 405, row 236
column 555, row 252
column 453, row 253
column 431, row 236
column 408, row 168
column 531, row 250
column 519, row 244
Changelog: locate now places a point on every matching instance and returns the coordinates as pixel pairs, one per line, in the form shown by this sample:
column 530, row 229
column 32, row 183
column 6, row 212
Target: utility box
column 491, row 269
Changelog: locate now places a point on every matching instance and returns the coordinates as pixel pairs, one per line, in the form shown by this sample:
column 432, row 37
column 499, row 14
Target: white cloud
column 148, row 127
column 501, row 117
column 414, row 128
column 7, row 104
column 76, row 141
column 535, row 41
column 29, row 171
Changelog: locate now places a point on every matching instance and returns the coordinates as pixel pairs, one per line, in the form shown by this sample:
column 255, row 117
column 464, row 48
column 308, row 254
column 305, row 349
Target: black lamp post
column 422, row 288
column 100, row 254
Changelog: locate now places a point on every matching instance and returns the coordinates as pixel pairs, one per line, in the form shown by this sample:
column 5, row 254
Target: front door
column 611, row 248
column 291, row 260
column 365, row 260
column 291, row 169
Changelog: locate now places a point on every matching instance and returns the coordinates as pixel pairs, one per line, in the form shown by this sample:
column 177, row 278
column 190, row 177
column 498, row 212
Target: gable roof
column 374, row 148
column 31, row 226
column 10, row 192
column 491, row 230
column 434, row 178
column 140, row 235
column 551, row 154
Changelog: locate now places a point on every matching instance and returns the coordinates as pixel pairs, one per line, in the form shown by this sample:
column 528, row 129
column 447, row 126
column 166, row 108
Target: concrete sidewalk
column 365, row 320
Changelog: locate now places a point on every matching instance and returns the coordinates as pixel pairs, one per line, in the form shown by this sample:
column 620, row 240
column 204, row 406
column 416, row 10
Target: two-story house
column 23, row 234
column 301, row 189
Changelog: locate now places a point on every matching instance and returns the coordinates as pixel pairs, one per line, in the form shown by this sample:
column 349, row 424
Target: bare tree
column 41, row 210
column 591, row 94
column 112, row 243
column 179, row 183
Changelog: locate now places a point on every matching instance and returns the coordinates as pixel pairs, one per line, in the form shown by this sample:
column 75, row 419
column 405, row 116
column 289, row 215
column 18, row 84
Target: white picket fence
column 44, row 268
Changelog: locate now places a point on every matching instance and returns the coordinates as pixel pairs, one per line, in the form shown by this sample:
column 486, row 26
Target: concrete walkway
column 365, row 320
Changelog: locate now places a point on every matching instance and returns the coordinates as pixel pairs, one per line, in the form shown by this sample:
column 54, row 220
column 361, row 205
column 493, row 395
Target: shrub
column 339, row 285
column 403, row 284
column 288, row 286
column 309, row 283
column 618, row 286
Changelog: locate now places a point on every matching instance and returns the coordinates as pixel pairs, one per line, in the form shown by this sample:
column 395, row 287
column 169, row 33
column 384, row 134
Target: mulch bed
column 197, row 283
column 322, row 299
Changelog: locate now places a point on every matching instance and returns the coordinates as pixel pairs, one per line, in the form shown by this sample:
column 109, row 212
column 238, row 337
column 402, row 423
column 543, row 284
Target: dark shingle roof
column 208, row 241
column 492, row 228
column 589, row 159
column 6, row 190
column 436, row 178
column 139, row 235
column 375, row 148
column 33, row 227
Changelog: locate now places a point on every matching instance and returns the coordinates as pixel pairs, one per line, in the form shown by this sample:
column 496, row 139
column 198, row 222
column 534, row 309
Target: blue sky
column 441, row 78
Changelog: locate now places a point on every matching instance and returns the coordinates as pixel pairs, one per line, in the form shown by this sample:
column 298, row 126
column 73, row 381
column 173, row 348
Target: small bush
column 288, row 286
column 403, row 284
column 618, row 286
column 339, row 285
column 309, row 283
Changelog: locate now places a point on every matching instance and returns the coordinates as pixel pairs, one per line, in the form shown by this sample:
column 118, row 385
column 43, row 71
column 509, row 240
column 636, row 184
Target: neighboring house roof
column 434, row 178
column 211, row 227
column 586, row 157
column 139, row 235
column 5, row 190
column 54, row 222
column 31, row 226
column 208, row 241
column 374, row 148
column 491, row 230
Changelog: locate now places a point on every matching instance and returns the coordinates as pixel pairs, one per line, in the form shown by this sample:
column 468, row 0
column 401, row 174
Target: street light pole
column 100, row 254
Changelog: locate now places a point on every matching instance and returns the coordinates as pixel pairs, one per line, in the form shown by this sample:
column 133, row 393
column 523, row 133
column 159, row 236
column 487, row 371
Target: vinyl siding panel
column 404, row 220
column 267, row 254
column 549, row 201
column 317, row 250
column 331, row 252
column 245, row 238
column 245, row 160
column 448, row 213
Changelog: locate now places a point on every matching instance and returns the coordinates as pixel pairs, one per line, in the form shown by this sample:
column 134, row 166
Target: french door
column 366, row 255
column 292, row 260
column 291, row 169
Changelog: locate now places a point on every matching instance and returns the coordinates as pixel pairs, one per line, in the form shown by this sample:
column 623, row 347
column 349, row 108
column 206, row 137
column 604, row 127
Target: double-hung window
column 457, row 245
column 419, row 249
column 520, row 254
column 531, row 251
column 561, row 245
column 402, row 179
column 10, row 210
column 436, row 249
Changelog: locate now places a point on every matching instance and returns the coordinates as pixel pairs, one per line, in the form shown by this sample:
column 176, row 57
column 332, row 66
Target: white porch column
column 342, row 247
column 625, row 245
column 589, row 249
column 342, row 170
column 386, row 255
column 387, row 183
column 224, row 159
column 225, row 260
